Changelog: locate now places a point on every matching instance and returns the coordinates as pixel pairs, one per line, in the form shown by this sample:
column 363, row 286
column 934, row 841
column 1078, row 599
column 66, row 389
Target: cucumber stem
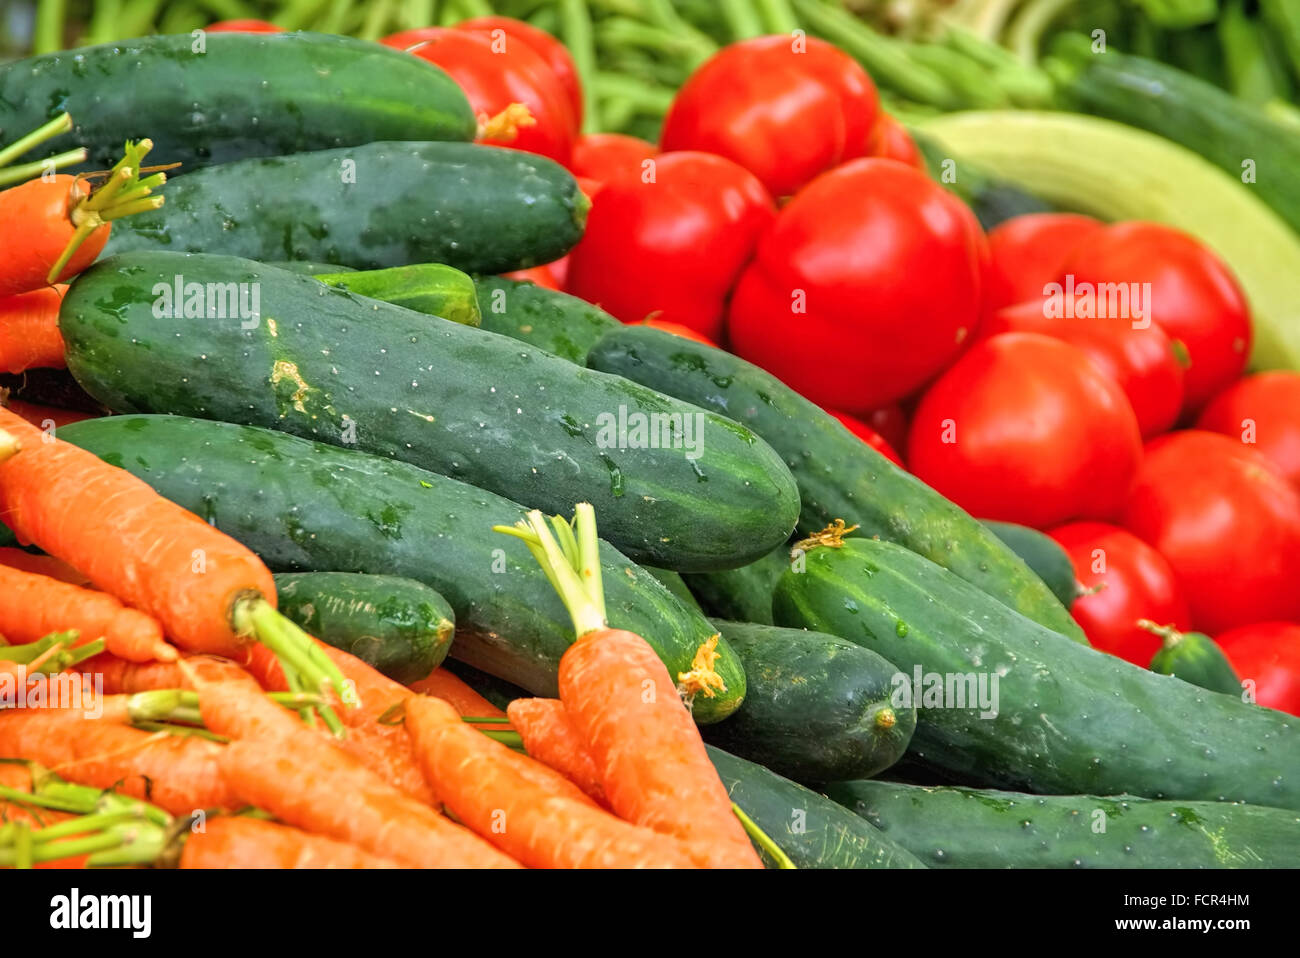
column 761, row 837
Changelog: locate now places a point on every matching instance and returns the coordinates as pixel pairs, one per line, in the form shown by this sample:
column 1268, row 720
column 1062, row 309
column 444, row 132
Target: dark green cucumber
column 429, row 288
column 1194, row 657
column 839, row 476
column 817, row 708
column 1043, row 555
column 1181, row 107
column 477, row 208
column 972, row 828
column 308, row 507
column 813, row 831
column 324, row 364
column 671, row 581
column 400, row 626
column 1008, row 703
column 744, row 594
column 241, row 95
column 556, row 322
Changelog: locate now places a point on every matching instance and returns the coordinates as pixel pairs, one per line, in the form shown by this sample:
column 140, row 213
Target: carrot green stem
column 485, row 719
column 574, row 571
column 512, row 739
column 23, row 846
column 171, row 728
column 761, row 837
column 51, row 17
column 47, row 131
column 94, row 822
column 26, row 171
column 54, row 851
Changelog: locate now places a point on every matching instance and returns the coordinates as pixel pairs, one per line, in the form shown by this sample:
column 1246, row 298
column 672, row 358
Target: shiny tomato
column 785, row 108
column 494, row 79
column 889, row 140
column 1227, row 521
column 1267, row 654
column 1262, row 411
column 1142, row 361
column 555, row 54
column 677, row 329
column 868, row 435
column 865, row 287
column 605, row 156
column 891, row 422
column 1025, row 428
column 243, row 26
column 1124, row 580
column 1028, row 252
column 550, row 275
column 671, row 242
column 1193, row 297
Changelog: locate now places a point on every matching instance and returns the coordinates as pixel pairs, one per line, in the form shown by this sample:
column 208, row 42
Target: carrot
column 41, row 565
column 45, row 416
column 53, row 228
column 32, row 606
column 177, row 773
column 550, row 737
column 303, row 779
column 29, row 330
column 120, row 676
column 481, row 782
column 208, row 591
column 618, row 694
column 447, row 686
column 253, row 843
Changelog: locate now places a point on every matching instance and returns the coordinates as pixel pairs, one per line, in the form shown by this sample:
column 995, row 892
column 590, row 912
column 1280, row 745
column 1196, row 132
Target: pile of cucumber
column 282, row 364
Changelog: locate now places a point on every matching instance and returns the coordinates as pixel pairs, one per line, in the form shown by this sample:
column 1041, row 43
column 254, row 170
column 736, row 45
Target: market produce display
column 581, row 434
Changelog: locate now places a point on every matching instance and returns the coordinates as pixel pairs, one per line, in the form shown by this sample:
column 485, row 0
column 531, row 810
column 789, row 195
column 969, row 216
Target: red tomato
column 677, row 329
column 243, row 26
column 493, row 79
column 868, row 435
column 552, row 51
column 548, row 274
column 604, row 156
column 671, row 246
column 1141, row 361
column 1193, row 296
column 1028, row 252
column 1025, row 428
column 891, row 422
column 784, row 108
column 1268, row 654
column 1228, row 523
column 889, row 140
column 1126, row 580
column 1261, row 411
column 864, row 288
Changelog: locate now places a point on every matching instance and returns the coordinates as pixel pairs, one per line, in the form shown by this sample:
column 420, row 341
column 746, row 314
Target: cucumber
column 1052, row 716
column 991, row 200
column 307, row 507
column 323, row 364
column 555, row 322
column 671, row 581
column 970, row 828
column 813, row 831
column 477, row 208
column 1194, row 657
column 1043, row 555
column 242, row 95
column 817, row 708
column 429, row 288
column 744, row 594
column 400, row 626
column 839, row 476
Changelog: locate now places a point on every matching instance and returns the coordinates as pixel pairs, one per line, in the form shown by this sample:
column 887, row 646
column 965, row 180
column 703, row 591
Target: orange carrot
column 550, row 737
column 175, row 772
column 481, row 783
column 444, row 685
column 29, row 330
column 41, row 565
column 284, row 767
column 120, row 676
column 32, row 606
column 252, row 843
column 625, row 706
column 40, row 416
column 202, row 586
